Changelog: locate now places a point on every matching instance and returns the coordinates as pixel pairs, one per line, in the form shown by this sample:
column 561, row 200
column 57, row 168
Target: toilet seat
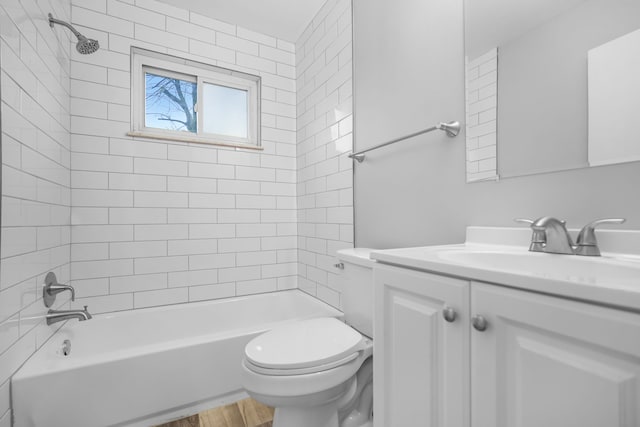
column 299, row 371
column 304, row 347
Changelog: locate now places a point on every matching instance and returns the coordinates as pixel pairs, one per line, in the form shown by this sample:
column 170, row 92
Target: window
column 179, row 99
column 170, row 101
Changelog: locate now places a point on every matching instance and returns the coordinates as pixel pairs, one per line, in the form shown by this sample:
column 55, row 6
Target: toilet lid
column 304, row 344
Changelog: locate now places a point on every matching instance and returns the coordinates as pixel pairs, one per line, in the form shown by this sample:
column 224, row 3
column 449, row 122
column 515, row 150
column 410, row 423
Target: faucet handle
column 586, row 243
column 538, row 238
column 523, row 220
column 51, row 288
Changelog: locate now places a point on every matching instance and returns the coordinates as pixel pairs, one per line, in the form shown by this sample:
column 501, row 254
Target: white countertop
column 501, row 256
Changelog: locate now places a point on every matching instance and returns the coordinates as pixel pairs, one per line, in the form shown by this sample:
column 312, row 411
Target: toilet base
column 356, row 407
column 317, row 416
column 350, row 405
column 323, row 416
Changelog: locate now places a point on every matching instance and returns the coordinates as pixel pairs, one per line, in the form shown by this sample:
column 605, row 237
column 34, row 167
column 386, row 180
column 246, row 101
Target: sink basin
column 591, row 270
column 500, row 256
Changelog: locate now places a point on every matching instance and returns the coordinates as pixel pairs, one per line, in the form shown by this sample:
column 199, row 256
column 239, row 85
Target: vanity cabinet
column 552, row 362
column 421, row 360
column 510, row 358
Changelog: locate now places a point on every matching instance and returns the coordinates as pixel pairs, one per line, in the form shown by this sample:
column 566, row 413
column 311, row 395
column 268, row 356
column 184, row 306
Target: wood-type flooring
column 245, row 413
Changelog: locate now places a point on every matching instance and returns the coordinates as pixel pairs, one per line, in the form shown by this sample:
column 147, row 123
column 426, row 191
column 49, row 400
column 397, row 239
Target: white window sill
column 193, row 138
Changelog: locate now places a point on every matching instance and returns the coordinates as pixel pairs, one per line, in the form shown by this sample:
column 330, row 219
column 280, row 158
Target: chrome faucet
column 52, row 288
column 556, row 237
column 550, row 235
column 54, row 316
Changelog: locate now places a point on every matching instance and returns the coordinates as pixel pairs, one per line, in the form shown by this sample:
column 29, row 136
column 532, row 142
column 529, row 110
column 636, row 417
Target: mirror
column 551, row 85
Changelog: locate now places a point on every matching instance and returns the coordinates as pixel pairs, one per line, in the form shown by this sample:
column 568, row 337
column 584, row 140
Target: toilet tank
column 357, row 288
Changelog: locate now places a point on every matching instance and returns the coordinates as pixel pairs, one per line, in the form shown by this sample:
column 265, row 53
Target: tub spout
column 54, row 316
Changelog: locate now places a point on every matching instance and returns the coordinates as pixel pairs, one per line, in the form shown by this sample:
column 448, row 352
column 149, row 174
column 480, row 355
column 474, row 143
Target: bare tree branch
column 182, row 102
column 173, row 120
column 168, row 89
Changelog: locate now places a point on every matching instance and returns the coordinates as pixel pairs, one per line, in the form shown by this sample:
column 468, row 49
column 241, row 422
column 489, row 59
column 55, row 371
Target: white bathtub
column 147, row 366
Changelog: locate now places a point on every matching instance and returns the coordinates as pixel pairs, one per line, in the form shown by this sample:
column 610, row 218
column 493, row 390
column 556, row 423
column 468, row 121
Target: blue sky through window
column 169, row 103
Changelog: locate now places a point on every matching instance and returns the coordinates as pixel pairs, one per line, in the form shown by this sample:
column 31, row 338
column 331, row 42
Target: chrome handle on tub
column 51, row 288
column 479, row 323
column 449, row 314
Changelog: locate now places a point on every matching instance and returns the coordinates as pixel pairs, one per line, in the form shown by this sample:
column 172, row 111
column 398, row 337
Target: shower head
column 85, row 46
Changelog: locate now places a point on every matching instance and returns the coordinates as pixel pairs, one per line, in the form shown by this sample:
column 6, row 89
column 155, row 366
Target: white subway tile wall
column 36, row 177
column 482, row 108
column 161, row 222
column 135, row 223
column 324, row 138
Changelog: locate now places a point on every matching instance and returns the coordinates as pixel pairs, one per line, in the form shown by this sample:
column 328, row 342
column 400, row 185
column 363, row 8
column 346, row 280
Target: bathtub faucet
column 54, row 316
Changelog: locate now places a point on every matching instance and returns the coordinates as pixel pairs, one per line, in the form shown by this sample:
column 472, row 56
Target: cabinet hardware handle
column 449, row 314
column 339, row 266
column 479, row 323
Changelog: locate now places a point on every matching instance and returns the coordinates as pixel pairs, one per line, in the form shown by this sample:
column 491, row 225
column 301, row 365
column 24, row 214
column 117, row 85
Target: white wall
column 157, row 222
column 409, row 72
column 408, row 76
column 35, row 177
column 324, row 172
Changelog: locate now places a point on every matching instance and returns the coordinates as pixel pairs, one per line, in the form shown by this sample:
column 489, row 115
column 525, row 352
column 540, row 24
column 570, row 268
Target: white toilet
column 318, row 372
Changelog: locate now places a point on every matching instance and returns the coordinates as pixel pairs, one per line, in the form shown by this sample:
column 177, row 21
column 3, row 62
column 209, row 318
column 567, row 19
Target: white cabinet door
column 551, row 362
column 421, row 360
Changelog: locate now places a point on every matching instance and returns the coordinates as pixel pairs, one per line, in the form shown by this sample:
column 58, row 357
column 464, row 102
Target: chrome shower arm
column 53, row 20
column 85, row 45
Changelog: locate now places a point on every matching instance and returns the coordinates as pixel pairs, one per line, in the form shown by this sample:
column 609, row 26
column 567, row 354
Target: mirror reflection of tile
column 481, row 77
column 245, row 413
